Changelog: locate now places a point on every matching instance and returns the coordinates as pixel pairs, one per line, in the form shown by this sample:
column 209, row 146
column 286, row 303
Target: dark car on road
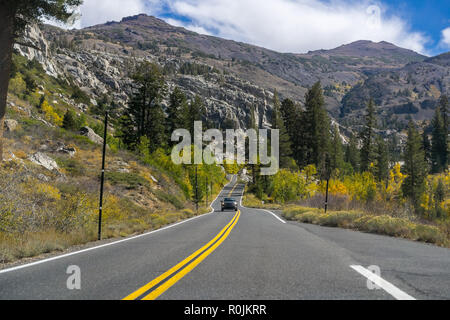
column 229, row 203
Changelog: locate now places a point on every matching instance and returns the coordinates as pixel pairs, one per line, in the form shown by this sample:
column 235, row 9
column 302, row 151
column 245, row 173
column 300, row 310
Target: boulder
column 43, row 160
column 10, row 125
column 67, row 150
column 91, row 135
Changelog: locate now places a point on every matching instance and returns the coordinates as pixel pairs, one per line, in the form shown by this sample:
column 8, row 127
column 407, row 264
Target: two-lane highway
column 248, row 254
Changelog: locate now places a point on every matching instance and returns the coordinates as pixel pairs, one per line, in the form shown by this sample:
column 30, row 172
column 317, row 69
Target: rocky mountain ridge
column 232, row 77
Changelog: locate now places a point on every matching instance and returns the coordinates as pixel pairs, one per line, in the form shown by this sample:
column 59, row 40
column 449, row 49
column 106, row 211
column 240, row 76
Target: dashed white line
column 385, row 285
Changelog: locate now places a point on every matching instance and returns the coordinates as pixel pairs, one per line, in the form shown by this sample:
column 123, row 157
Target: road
column 250, row 254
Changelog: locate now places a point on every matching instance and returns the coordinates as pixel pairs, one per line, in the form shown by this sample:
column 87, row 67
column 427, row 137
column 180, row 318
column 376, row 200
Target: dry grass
column 251, row 201
column 380, row 224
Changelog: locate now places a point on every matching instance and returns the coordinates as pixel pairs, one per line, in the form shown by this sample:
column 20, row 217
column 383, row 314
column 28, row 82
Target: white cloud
column 297, row 25
column 100, row 11
column 191, row 27
column 446, row 37
column 282, row 25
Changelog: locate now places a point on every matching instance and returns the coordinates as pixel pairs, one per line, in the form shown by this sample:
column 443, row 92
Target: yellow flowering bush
column 50, row 114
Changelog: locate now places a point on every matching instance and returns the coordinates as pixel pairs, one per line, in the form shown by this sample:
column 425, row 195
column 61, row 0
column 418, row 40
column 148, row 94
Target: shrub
column 51, row 115
column 128, row 180
column 17, row 85
column 389, row 226
column 188, row 213
column 72, row 166
column 291, row 212
column 308, row 217
column 429, row 234
column 69, row 121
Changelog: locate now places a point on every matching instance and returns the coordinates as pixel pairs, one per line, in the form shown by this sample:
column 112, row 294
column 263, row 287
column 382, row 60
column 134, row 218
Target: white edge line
column 113, row 243
column 242, row 196
column 387, row 286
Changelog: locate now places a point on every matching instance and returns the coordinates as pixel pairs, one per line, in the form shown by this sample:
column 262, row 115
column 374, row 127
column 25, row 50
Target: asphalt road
column 250, row 255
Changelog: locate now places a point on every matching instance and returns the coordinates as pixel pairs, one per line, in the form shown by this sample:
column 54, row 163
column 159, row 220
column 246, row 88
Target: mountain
column 232, row 76
column 412, row 90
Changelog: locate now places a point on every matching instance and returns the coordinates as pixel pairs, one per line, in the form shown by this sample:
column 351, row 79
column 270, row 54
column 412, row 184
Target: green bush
column 72, row 166
column 429, row 234
column 390, row 226
column 128, row 180
column 177, row 203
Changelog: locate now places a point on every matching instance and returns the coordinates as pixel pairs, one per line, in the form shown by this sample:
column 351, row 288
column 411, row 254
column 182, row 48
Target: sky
column 296, row 26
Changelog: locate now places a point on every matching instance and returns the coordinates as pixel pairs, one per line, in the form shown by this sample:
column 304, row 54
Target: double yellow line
column 231, row 192
column 192, row 261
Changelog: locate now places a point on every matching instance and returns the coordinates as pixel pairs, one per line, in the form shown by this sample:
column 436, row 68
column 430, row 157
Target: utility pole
column 102, row 179
column 206, row 190
column 196, row 188
column 328, row 174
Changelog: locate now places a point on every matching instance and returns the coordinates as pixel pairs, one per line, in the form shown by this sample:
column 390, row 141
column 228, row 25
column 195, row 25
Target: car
column 229, row 203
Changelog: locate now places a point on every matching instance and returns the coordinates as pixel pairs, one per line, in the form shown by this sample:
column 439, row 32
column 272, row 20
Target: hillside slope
column 239, row 75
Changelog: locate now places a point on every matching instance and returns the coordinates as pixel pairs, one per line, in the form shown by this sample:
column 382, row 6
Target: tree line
column 145, row 115
column 308, row 137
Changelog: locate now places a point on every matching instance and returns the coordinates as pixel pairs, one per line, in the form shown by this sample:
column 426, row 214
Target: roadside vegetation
column 44, row 210
column 373, row 185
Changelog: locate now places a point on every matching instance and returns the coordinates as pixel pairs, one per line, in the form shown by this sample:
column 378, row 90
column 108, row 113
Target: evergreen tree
column 127, row 132
column 368, row 138
column 105, row 103
column 15, row 15
column 336, row 150
column 194, row 111
column 177, row 106
column 415, row 167
column 426, row 145
column 382, row 160
column 439, row 147
column 317, row 127
column 352, row 152
column 144, row 115
column 284, row 139
column 69, row 121
column 444, row 106
column 292, row 114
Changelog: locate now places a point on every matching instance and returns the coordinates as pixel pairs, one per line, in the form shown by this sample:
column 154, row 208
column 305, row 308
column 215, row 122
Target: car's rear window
column 229, row 199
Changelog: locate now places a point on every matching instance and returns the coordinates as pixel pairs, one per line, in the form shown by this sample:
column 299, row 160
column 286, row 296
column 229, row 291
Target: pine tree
column 144, row 115
column 352, row 153
column 284, row 142
column 336, row 150
column 317, row 128
column 439, row 146
column 177, row 105
column 69, row 121
column 382, row 160
column 426, row 145
column 368, row 138
column 415, row 167
column 444, row 106
column 195, row 111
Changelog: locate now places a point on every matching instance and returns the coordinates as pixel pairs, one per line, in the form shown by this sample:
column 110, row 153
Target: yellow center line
column 172, row 270
column 231, row 192
column 169, row 283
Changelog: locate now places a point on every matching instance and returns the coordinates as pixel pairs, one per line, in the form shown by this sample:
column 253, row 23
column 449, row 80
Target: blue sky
column 295, row 25
column 428, row 16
